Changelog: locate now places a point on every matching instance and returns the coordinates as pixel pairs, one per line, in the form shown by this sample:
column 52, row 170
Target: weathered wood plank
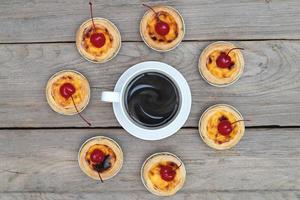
column 268, row 92
column 57, row 20
column 231, row 195
column 46, row 161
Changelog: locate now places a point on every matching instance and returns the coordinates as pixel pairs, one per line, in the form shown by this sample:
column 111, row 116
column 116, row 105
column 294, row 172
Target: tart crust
column 156, row 41
column 150, row 174
column 65, row 106
column 215, row 75
column 109, row 147
column 111, row 46
column 208, row 126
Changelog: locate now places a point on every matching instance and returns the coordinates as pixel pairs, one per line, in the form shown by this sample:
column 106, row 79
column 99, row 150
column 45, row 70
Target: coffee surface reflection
column 152, row 99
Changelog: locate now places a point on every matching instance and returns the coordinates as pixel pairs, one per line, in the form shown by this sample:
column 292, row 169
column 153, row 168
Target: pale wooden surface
column 46, row 161
column 267, row 93
column 236, row 195
column 57, row 20
column 38, row 147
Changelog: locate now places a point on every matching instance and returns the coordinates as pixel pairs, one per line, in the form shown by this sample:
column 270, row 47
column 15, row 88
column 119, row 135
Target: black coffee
column 152, row 99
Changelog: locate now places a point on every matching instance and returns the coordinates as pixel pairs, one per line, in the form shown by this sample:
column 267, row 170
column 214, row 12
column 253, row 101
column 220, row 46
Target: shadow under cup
column 152, row 100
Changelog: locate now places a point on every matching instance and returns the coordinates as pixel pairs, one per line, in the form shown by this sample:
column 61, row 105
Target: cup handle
column 108, row 96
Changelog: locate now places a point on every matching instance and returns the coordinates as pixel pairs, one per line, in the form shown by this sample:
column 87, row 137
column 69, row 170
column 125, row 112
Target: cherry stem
column 79, row 112
column 91, row 10
column 100, row 177
column 156, row 13
column 242, row 120
column 179, row 165
column 234, row 49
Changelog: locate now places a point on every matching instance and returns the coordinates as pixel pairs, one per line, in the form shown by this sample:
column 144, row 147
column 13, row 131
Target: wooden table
column 38, row 147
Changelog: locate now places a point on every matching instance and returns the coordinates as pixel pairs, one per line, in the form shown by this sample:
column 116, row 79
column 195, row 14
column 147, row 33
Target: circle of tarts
column 50, row 99
column 119, row 157
column 207, row 76
column 180, row 39
column 79, row 38
column 162, row 154
column 211, row 143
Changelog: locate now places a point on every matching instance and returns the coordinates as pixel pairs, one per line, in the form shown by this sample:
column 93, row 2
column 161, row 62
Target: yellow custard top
column 212, row 127
column 158, row 182
column 223, row 72
column 79, row 96
column 90, row 48
column 107, row 151
column 167, row 18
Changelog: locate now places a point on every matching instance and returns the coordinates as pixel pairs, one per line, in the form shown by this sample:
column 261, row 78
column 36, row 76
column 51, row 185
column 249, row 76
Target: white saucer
column 146, row 133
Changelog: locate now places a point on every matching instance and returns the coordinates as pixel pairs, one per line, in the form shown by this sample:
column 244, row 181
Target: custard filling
column 212, row 127
column 107, row 151
column 90, row 48
column 160, row 184
column 222, row 72
column 79, row 95
column 167, row 18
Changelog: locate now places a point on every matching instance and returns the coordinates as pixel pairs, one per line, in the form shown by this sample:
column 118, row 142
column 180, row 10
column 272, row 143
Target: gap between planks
column 187, row 191
column 119, row 127
column 138, row 41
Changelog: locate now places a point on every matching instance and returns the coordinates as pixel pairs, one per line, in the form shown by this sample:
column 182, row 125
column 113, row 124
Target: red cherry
column 98, row 39
column 225, row 127
column 167, row 173
column 67, row 90
column 162, row 28
column 97, row 156
column 224, row 60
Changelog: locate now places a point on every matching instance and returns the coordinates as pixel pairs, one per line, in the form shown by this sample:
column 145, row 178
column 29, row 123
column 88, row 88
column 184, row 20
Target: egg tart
column 98, row 40
column 163, row 174
column 221, row 126
column 162, row 28
column 221, row 63
column 63, row 82
column 100, row 158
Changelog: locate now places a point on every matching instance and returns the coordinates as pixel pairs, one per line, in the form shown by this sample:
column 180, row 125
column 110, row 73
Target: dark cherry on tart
column 163, row 174
column 221, row 63
column 224, row 60
column 221, row 127
column 68, row 92
column 65, row 87
column 162, row 27
column 168, row 171
column 100, row 158
column 98, row 39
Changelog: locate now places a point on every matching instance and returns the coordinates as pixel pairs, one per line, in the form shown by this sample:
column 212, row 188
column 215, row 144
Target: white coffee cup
column 117, row 97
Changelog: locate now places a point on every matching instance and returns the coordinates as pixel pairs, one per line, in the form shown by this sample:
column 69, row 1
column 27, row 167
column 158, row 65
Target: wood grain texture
column 231, row 195
column 46, row 161
column 40, row 164
column 58, row 20
column 267, row 93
